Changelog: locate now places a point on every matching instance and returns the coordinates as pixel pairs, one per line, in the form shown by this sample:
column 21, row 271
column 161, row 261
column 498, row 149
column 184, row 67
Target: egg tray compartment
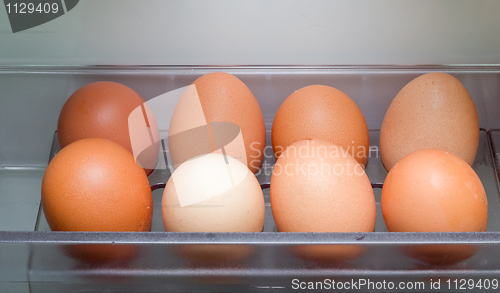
column 38, row 258
column 272, row 264
column 375, row 171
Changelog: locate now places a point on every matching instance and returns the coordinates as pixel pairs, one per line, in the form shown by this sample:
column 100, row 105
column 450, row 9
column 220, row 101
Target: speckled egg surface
column 434, row 110
column 317, row 187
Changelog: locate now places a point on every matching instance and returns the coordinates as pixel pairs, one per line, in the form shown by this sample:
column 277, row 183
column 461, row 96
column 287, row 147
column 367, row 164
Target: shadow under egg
column 440, row 254
column 102, row 254
column 328, row 253
column 214, row 255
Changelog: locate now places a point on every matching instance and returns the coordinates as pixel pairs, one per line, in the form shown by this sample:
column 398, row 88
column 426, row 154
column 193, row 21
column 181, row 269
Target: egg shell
column 225, row 98
column 321, row 112
column 318, row 187
column 102, row 110
column 432, row 190
column 218, row 197
column 433, row 111
column 94, row 184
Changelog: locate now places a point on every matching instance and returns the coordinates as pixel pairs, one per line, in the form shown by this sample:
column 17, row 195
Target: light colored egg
column 321, row 112
column 318, row 187
column 432, row 111
column 219, row 112
column 94, row 184
column 213, row 193
column 432, row 190
column 102, row 110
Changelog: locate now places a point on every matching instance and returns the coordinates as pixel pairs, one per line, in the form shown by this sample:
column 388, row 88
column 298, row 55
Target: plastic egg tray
column 40, row 258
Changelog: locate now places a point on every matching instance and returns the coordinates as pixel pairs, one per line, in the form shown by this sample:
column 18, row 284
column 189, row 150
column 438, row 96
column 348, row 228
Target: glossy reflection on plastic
column 218, row 137
column 326, row 253
column 102, row 254
column 190, row 135
column 440, row 254
column 215, row 255
column 145, row 159
column 144, row 137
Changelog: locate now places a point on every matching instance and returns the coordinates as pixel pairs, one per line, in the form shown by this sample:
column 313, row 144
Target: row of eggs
column 95, row 183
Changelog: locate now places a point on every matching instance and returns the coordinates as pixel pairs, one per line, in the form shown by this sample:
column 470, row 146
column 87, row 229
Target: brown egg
column 316, row 186
column 433, row 111
column 321, row 112
column 95, row 185
column 204, row 121
column 433, row 190
column 213, row 193
column 102, row 110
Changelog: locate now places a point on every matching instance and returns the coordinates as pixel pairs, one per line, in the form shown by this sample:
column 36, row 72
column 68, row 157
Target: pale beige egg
column 213, row 193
